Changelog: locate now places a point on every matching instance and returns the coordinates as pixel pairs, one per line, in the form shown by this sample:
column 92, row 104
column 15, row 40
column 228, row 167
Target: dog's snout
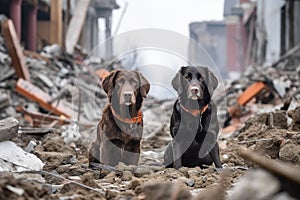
column 194, row 90
column 127, row 95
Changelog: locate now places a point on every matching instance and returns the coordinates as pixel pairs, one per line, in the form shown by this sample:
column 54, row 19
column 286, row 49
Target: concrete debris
column 257, row 184
column 29, row 148
column 174, row 191
column 17, row 159
column 71, row 133
column 8, row 128
column 51, row 103
column 14, row 188
column 287, row 177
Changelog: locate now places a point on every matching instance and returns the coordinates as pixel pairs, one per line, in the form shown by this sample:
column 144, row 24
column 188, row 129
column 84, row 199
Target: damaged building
column 51, row 100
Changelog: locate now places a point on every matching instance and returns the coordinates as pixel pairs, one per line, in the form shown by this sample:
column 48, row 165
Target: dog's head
column 195, row 83
column 126, row 87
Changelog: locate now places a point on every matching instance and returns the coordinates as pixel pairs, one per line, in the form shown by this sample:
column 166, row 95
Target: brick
column 250, row 93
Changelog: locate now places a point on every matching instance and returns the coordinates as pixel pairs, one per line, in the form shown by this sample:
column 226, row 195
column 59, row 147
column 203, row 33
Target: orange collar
column 135, row 120
column 195, row 113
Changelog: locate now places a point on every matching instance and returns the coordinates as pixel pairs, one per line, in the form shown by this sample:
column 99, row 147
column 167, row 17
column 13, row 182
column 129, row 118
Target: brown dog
column 120, row 130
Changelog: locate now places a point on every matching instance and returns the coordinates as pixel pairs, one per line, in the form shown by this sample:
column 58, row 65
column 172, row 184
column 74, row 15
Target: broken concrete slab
column 8, row 128
column 4, row 101
column 17, row 159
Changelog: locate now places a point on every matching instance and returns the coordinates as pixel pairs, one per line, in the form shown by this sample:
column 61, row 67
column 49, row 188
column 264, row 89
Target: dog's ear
column 108, row 82
column 144, row 85
column 177, row 80
column 209, row 78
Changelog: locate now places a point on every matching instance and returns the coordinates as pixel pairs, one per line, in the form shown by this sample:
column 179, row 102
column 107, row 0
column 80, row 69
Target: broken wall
column 269, row 29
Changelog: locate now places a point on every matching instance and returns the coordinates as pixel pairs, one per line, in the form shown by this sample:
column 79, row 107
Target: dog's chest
column 120, row 131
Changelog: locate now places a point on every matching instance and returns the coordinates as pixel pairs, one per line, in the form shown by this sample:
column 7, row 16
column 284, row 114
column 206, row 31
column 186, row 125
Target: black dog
column 194, row 126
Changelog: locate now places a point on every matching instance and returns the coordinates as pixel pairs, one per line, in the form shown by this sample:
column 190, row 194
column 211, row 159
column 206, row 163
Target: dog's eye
column 121, row 81
column 133, row 81
column 199, row 76
column 188, row 76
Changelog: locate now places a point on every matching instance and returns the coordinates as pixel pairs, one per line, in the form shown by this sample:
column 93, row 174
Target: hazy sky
column 173, row 15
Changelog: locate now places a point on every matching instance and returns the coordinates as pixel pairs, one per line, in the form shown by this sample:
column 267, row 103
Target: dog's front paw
column 177, row 164
column 219, row 169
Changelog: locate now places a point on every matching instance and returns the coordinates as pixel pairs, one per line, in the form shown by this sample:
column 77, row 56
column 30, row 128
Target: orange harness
column 195, row 113
column 134, row 120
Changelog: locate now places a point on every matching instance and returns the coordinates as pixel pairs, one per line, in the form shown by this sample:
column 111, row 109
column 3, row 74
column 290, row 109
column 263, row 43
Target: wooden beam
column 56, row 22
column 33, row 93
column 76, row 24
column 14, row 49
column 38, row 117
column 279, row 168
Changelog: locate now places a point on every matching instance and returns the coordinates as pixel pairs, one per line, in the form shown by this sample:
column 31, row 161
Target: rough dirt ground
column 66, row 173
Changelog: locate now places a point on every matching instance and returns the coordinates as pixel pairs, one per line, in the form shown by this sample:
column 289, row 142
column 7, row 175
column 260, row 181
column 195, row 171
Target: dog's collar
column 195, row 113
column 134, row 120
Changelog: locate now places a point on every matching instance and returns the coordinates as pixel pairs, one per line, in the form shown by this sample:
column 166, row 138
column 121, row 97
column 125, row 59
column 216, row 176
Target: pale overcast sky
column 173, row 15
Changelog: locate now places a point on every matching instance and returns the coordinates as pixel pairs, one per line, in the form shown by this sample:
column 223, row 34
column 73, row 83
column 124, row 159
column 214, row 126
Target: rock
column 30, row 146
column 194, row 172
column 127, row 176
column 141, row 171
column 190, row 183
column 55, row 160
column 29, row 177
column 23, row 161
column 278, row 119
column 257, row 184
column 268, row 147
column 8, row 128
column 215, row 193
column 290, row 152
column 295, row 115
column 122, row 167
column 257, row 119
column 164, row 191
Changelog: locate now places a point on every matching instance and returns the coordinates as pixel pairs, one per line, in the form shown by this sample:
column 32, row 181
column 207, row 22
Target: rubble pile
column 55, row 74
column 52, row 119
column 271, row 135
column 282, row 82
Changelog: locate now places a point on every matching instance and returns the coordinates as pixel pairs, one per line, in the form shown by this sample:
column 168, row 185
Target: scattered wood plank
column 36, row 131
column 76, row 25
column 8, row 129
column 14, row 49
column 41, row 118
column 34, row 93
column 56, row 22
column 275, row 167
